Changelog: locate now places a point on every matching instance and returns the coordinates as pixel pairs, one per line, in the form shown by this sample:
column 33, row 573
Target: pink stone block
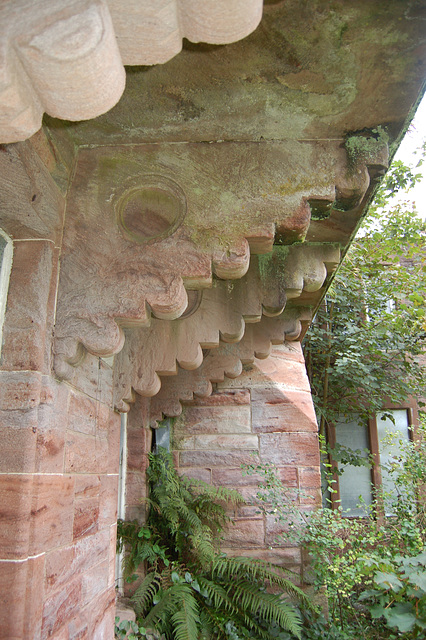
column 225, row 458
column 249, row 532
column 60, row 608
column 94, row 581
column 231, row 397
column 27, row 331
column 35, row 513
column 299, row 449
column 197, row 474
column 86, row 516
column 136, row 489
column 86, row 454
column 277, row 409
column 67, row 563
column 87, row 415
column 87, row 486
column 108, row 499
column 220, row 419
column 138, row 447
column 21, row 598
column 19, row 390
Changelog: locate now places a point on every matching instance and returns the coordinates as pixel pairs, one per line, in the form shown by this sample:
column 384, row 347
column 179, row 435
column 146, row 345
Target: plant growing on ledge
column 191, row 591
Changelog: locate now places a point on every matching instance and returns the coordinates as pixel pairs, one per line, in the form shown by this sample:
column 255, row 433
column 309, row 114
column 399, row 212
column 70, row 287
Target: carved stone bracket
column 136, row 241
column 66, row 58
column 222, row 313
column 226, row 360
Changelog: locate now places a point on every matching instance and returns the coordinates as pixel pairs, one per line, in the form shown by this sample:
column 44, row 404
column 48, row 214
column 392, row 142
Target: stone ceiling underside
column 66, row 57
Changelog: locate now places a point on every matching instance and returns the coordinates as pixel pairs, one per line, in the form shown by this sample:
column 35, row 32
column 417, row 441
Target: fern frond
column 185, row 620
column 211, row 625
column 146, row 591
column 258, row 571
column 268, row 606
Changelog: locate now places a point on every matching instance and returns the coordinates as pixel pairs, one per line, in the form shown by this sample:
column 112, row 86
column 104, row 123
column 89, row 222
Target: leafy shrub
column 191, row 591
column 373, row 569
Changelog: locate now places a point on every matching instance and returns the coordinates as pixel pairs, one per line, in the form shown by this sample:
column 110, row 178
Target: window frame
column 411, row 408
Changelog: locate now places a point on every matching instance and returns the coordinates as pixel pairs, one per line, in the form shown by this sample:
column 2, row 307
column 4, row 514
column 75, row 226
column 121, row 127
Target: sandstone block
column 85, row 454
column 94, row 581
column 68, row 563
column 300, row 449
column 225, row 458
column 36, row 513
column 60, row 607
column 138, row 447
column 197, row 474
column 19, row 390
column 27, row 330
column 86, row 517
column 21, row 598
column 231, row 397
column 277, row 409
column 87, row 415
column 108, row 500
column 223, row 418
column 219, row 442
column 248, row 532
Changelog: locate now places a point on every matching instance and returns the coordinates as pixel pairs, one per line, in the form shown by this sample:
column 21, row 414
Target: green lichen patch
column 364, row 146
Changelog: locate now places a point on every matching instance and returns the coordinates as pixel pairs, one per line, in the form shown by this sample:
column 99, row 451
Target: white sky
column 414, row 138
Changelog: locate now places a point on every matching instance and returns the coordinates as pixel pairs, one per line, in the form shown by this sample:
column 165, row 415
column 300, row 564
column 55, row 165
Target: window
column 356, row 484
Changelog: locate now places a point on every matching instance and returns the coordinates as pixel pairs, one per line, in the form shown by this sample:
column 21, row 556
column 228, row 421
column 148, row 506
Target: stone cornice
column 66, row 58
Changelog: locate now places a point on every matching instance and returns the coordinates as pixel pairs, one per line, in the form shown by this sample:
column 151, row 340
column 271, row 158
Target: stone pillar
column 265, row 415
column 59, row 463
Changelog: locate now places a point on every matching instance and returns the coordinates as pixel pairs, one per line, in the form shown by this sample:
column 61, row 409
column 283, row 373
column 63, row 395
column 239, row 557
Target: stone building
column 163, row 257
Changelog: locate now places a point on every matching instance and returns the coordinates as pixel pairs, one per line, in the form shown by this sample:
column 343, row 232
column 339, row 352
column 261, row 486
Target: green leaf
column 401, row 616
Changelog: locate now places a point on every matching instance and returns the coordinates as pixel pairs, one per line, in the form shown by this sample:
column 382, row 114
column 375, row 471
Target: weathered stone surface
column 289, row 448
column 31, row 205
column 222, row 458
column 69, row 56
column 219, row 312
column 216, row 419
column 36, row 513
column 33, row 438
column 224, row 361
column 60, row 607
column 21, row 593
column 277, row 409
column 66, row 563
column 249, row 532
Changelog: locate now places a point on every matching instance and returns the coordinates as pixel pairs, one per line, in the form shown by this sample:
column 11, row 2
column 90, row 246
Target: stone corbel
column 227, row 360
column 220, row 312
column 135, row 242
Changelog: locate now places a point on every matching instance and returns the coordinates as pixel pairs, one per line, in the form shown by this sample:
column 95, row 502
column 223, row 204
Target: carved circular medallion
column 152, row 210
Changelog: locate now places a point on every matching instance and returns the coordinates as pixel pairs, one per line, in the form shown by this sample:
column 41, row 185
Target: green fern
column 191, row 591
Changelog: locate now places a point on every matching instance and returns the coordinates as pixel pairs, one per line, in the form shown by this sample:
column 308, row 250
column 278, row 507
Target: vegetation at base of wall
column 372, row 570
column 191, row 591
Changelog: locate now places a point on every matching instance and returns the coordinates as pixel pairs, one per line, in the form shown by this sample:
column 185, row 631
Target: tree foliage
column 363, row 347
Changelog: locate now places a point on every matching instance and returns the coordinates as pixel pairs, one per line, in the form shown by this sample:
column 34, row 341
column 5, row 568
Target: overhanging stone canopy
column 66, row 58
column 186, row 231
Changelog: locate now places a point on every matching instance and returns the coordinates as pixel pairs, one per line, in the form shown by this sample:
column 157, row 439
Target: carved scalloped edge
column 226, row 360
column 67, row 58
column 164, row 302
column 222, row 314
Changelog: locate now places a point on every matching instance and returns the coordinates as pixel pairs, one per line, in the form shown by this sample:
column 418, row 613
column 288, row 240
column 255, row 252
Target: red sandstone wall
column 60, row 442
column 265, row 415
